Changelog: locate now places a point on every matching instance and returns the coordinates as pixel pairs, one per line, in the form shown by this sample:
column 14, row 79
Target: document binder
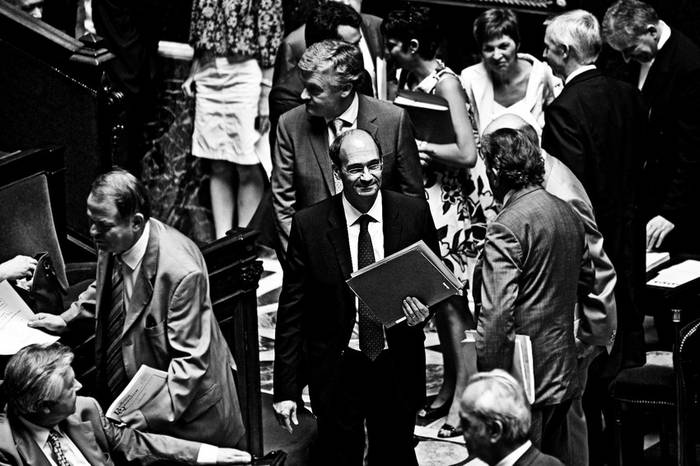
column 430, row 116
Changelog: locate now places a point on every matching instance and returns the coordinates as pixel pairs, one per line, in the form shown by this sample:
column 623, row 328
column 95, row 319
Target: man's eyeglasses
column 360, row 169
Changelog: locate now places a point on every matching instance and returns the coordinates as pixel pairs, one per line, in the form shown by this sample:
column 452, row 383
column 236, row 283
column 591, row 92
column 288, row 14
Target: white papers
column 380, row 68
column 144, row 386
column 655, row 259
column 677, row 275
column 523, row 367
column 14, row 315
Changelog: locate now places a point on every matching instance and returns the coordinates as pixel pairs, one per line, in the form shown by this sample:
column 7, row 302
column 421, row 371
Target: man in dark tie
column 46, row 424
column 302, row 173
column 378, row 381
column 151, row 305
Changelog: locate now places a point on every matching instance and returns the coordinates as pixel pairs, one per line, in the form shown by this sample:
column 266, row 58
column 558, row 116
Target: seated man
column 46, row 423
column 496, row 421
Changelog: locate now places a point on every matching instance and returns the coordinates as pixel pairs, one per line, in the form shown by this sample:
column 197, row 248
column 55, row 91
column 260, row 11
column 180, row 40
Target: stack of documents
column 14, row 315
column 677, row 275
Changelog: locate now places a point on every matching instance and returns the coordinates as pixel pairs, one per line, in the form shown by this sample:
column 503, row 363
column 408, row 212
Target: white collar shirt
column 515, row 455
column 349, row 116
column 577, row 72
column 40, row 435
column 376, row 232
column 368, row 62
column 131, row 260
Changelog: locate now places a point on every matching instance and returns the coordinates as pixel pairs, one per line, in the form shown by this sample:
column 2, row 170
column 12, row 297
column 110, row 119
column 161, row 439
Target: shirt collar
column 352, row 214
column 578, row 71
column 665, row 34
column 133, row 256
column 515, row 455
column 350, row 114
column 40, row 434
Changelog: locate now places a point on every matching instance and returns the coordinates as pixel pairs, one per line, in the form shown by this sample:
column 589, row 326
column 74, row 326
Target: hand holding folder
column 413, row 271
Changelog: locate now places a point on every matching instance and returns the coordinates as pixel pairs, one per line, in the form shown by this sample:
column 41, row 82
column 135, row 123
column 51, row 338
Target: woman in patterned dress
column 412, row 43
column 233, row 40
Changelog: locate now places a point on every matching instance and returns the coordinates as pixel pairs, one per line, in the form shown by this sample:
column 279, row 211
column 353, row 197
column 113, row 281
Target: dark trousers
column 363, row 394
column 550, row 432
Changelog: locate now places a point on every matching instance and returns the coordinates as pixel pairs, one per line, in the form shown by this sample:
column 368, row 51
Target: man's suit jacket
column 317, row 311
column 534, row 457
column 672, row 94
column 293, row 46
column 101, row 442
column 302, row 173
column 596, row 312
column 533, row 257
column 169, row 325
column 597, row 127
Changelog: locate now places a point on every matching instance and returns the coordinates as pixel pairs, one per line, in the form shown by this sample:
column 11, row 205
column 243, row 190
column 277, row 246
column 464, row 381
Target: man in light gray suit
column 302, row 173
column 535, row 265
column 596, row 312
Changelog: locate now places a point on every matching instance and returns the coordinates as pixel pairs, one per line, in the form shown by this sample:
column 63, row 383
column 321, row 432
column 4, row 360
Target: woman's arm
column 463, row 152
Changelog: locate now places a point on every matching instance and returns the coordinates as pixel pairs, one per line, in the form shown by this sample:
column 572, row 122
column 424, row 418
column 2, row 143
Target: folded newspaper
column 143, row 387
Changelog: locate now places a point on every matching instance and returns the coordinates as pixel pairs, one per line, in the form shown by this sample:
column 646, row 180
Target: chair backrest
column 687, row 363
column 26, row 222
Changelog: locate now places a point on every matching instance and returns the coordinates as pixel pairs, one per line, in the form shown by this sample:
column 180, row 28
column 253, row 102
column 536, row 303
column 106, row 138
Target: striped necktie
column 58, row 453
column 371, row 331
column 114, row 362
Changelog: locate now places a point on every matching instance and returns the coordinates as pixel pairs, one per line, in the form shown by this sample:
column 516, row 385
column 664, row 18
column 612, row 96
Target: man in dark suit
column 666, row 67
column 371, row 45
column 496, row 420
column 378, row 382
column 534, row 253
column 151, row 305
column 333, row 20
column 46, row 424
column 597, row 127
column 302, row 173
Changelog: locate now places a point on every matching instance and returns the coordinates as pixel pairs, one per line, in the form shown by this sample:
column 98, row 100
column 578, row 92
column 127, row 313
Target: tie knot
column 338, row 124
column 54, row 436
column 364, row 221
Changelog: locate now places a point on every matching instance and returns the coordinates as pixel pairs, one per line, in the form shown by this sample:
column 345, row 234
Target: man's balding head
column 517, row 122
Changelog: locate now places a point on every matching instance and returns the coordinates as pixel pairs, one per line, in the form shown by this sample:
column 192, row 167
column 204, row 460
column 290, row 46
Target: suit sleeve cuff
column 207, row 454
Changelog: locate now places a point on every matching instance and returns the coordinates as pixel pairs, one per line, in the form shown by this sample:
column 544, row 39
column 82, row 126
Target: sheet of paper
column 14, row 315
column 654, row 259
column 677, row 275
column 143, row 386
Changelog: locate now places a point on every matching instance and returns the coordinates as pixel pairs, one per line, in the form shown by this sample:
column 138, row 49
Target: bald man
column 596, row 313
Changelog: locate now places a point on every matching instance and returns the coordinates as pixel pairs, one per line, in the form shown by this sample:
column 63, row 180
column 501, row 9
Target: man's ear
column 495, row 431
column 138, row 222
column 413, row 46
column 653, row 30
column 346, row 90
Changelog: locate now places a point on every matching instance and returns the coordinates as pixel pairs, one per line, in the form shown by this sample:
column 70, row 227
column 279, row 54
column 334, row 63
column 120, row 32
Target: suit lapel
column 366, row 117
column 659, row 71
column 318, row 137
column 338, row 236
column 26, row 446
column 391, row 226
column 83, row 437
column 143, row 286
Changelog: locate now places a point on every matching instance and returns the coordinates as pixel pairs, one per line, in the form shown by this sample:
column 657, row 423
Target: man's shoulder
column 379, row 108
column 403, row 201
column 176, row 251
column 534, row 457
column 295, row 117
column 683, row 53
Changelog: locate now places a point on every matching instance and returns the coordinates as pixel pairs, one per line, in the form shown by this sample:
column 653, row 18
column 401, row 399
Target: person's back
column 550, row 237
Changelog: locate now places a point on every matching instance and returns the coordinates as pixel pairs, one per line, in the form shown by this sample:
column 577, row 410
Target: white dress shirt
column 645, row 67
column 368, row 62
column 376, row 232
column 349, row 116
column 515, row 455
column 131, row 260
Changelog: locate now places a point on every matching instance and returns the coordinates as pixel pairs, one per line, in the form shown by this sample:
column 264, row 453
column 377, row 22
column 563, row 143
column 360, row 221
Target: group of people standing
column 540, row 206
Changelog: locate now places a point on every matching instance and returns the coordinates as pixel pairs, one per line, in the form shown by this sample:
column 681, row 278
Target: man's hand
column 657, row 230
column 286, row 412
column 135, row 420
column 17, row 267
column 50, row 322
column 415, row 311
column 232, row 456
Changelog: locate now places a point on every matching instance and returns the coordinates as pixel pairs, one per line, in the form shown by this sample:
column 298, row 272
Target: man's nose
column 93, row 230
column 305, row 94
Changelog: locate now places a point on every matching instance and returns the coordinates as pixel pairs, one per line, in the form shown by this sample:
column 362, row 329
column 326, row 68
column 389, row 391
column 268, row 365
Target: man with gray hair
column 496, row 420
column 597, row 126
column 46, row 423
column 302, row 173
column 665, row 65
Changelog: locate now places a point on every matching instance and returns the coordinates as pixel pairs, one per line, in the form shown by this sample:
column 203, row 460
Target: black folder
column 430, row 116
column 413, row 271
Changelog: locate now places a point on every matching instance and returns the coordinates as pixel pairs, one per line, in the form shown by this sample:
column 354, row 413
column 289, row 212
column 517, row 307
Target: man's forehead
column 359, row 145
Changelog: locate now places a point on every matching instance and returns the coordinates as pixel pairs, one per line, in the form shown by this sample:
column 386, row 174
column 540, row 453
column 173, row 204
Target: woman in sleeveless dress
column 412, row 42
